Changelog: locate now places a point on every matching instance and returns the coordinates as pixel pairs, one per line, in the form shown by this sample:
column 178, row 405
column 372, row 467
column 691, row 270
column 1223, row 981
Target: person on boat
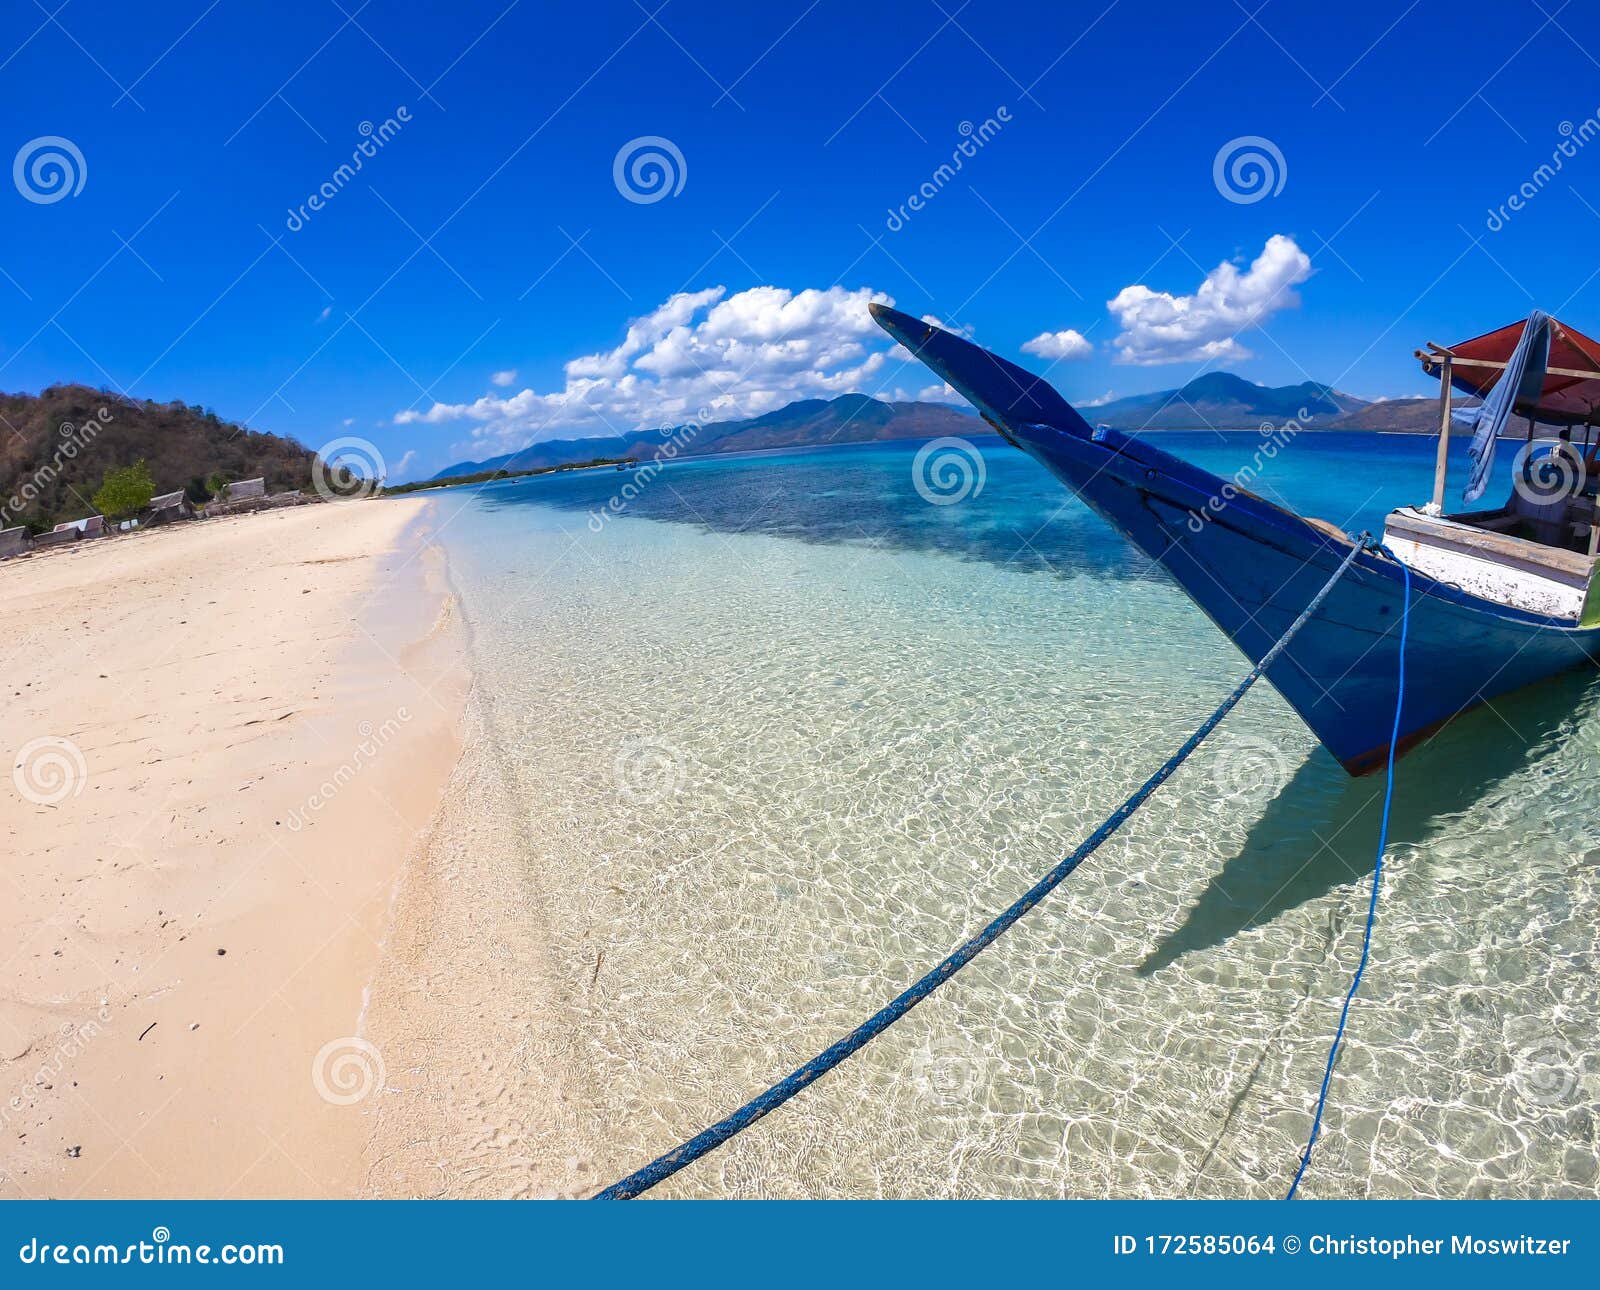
column 1569, row 459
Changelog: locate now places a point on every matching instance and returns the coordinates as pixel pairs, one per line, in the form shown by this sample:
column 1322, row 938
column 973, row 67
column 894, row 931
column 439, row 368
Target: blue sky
column 435, row 301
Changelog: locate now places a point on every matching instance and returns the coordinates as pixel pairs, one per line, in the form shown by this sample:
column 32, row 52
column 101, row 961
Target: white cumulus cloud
column 1158, row 327
column 504, row 378
column 699, row 355
column 1059, row 344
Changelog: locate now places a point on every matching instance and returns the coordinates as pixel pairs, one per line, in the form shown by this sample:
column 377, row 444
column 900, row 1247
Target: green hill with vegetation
column 56, row 447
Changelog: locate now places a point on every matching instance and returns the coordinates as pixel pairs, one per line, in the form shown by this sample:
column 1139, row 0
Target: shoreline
column 225, row 745
column 472, row 1017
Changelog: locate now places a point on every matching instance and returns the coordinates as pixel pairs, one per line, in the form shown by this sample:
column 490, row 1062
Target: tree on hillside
column 125, row 491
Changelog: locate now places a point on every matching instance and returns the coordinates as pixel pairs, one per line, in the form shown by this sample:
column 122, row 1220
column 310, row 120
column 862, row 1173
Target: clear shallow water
column 784, row 733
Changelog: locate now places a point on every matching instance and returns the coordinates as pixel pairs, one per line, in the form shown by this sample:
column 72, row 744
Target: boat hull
column 1252, row 567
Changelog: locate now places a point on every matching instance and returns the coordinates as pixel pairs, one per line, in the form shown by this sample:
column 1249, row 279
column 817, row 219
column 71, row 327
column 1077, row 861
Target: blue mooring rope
column 636, row 1184
column 1377, row 880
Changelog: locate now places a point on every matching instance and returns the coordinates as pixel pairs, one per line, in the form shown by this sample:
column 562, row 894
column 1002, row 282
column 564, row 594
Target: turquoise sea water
column 781, row 732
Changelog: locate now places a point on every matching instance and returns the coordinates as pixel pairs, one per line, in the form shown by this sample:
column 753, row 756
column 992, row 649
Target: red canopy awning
column 1571, row 393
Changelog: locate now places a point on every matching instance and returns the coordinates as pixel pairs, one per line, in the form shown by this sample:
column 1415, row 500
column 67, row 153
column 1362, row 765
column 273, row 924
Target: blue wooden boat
column 1500, row 598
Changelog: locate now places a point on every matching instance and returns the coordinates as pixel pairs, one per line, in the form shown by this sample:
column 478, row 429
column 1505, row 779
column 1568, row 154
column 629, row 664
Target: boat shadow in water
column 1321, row 829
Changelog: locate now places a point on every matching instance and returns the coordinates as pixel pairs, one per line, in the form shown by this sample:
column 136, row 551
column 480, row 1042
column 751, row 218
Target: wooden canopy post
column 1436, row 507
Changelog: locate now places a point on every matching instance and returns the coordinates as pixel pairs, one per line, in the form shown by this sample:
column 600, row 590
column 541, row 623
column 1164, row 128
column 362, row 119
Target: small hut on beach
column 166, row 508
column 14, row 541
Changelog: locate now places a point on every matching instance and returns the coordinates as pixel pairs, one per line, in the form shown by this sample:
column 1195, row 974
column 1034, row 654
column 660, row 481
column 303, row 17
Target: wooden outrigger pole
column 1441, row 458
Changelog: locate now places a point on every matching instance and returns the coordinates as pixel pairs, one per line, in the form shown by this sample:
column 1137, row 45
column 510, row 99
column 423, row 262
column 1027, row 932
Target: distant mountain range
column 850, row 418
column 1223, row 401
column 1216, row 401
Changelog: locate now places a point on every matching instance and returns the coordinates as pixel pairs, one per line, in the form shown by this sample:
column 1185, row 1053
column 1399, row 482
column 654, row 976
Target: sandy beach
column 225, row 741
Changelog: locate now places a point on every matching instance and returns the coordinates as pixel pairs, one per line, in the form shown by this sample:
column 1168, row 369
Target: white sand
column 226, row 736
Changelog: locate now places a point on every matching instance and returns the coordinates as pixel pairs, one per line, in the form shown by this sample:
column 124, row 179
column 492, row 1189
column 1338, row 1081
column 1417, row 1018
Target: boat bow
column 1251, row 566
